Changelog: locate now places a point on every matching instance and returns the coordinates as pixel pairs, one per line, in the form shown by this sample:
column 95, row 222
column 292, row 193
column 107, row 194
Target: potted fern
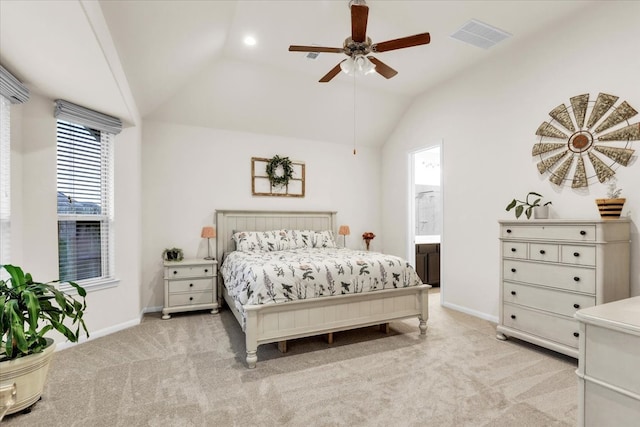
column 28, row 311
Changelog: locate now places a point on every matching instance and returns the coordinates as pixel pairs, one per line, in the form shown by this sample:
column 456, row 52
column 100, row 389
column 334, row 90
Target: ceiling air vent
column 480, row 34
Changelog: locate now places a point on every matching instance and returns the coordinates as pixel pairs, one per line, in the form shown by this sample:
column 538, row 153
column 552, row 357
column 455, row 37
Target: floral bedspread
column 262, row 277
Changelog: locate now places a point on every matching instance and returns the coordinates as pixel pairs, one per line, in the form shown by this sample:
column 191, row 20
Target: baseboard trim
column 474, row 313
column 98, row 334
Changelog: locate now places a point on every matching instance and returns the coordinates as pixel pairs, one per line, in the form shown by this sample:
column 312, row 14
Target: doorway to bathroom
column 425, row 213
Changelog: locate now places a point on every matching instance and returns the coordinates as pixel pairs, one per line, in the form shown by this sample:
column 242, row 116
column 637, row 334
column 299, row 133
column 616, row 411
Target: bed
column 326, row 303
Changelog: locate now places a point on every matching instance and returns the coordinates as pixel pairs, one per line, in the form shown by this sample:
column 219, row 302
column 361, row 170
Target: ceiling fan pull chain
column 354, row 114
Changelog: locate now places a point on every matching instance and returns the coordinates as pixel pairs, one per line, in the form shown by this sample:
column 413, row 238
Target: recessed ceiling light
column 250, row 41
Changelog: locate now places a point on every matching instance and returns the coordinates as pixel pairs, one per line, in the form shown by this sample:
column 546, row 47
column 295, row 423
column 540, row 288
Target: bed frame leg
column 330, row 338
column 252, row 359
column 384, row 328
column 282, row 346
column 423, row 326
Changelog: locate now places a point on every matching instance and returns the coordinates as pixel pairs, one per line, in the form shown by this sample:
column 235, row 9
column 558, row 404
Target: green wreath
column 273, row 166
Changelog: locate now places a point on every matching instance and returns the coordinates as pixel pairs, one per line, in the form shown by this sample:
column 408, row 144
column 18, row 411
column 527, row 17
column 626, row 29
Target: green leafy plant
column 30, row 309
column 526, row 206
column 279, row 171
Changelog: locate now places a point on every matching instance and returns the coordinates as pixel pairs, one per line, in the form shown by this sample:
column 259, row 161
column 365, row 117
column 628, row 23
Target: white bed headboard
column 228, row 222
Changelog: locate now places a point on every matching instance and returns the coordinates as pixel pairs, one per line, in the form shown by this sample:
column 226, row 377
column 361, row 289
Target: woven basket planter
column 610, row 208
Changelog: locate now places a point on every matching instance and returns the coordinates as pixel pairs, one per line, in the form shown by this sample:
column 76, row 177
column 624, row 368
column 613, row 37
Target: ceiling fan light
column 348, row 66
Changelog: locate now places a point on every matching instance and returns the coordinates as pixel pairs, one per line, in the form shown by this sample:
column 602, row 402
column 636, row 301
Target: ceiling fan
column 359, row 46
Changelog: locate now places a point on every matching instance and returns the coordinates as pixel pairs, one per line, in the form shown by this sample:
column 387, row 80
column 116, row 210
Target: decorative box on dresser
column 608, row 374
column 190, row 285
column 551, row 268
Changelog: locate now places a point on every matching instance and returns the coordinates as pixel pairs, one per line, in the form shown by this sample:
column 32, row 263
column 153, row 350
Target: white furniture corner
column 551, row 268
column 190, row 285
column 609, row 364
column 269, row 323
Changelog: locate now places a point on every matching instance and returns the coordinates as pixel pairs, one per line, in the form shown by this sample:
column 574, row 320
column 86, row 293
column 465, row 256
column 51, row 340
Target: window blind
column 70, row 112
column 12, row 88
column 84, row 202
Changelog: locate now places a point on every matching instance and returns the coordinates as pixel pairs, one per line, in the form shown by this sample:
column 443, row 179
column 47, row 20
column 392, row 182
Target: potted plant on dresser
column 28, row 311
column 611, row 207
column 528, row 207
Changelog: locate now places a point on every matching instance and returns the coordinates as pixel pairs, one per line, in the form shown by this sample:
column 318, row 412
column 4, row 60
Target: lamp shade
column 344, row 230
column 208, row 232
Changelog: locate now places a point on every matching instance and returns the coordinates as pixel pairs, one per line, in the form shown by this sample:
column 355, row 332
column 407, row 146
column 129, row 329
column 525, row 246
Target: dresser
column 551, row 268
column 190, row 285
column 608, row 374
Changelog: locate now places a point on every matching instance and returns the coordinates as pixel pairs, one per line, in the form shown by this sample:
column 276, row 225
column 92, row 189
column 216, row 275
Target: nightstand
column 190, row 285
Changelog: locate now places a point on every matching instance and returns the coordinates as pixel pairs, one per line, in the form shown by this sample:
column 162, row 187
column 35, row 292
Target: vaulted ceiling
column 185, row 61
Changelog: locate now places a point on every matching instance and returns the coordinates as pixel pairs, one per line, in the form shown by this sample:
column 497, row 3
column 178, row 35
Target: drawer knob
column 513, row 316
column 542, row 251
column 513, row 270
column 191, row 285
column 582, row 232
column 190, row 298
column 508, row 230
column 576, row 334
column 206, row 270
column 513, row 249
column 576, row 305
column 576, row 254
column 175, row 272
column 576, row 279
column 513, row 292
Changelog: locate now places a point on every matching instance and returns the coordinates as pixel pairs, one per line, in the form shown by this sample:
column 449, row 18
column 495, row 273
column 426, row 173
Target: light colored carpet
column 190, row 371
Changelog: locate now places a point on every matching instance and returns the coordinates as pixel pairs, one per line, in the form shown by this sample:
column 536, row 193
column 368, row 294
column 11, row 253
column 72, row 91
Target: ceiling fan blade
column 331, row 74
column 383, row 69
column 294, row 48
column 401, row 43
column 359, row 15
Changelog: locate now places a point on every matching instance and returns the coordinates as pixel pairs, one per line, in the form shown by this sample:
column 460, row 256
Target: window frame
column 105, row 217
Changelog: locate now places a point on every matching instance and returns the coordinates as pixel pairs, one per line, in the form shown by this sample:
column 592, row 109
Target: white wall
column 189, row 172
column 34, row 217
column 487, row 118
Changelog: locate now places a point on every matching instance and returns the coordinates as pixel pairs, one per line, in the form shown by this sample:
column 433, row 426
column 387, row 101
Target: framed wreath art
column 277, row 176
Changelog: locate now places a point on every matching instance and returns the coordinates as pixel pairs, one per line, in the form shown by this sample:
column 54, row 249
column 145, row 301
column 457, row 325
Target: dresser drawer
column 579, row 255
column 564, row 303
column 191, row 298
column 585, row 232
column 612, row 356
column 178, row 271
column 514, row 250
column 543, row 252
column 579, row 279
column 548, row 326
column 190, row 285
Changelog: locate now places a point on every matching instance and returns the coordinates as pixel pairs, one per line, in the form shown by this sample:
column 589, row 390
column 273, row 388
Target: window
column 85, row 203
column 5, row 183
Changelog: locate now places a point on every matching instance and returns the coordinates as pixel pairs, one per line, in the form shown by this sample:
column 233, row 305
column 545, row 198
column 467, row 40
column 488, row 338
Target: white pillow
column 324, row 239
column 251, row 241
column 300, row 238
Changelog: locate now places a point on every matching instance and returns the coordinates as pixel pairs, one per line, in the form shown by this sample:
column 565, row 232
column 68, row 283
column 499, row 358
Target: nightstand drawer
column 190, row 298
column 514, row 250
column 178, row 271
column 586, row 232
column 564, row 303
column 579, row 279
column 543, row 252
column 190, row 285
column 579, row 255
column 559, row 329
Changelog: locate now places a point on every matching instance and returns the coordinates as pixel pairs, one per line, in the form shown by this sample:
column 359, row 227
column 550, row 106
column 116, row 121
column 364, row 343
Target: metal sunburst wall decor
column 604, row 140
